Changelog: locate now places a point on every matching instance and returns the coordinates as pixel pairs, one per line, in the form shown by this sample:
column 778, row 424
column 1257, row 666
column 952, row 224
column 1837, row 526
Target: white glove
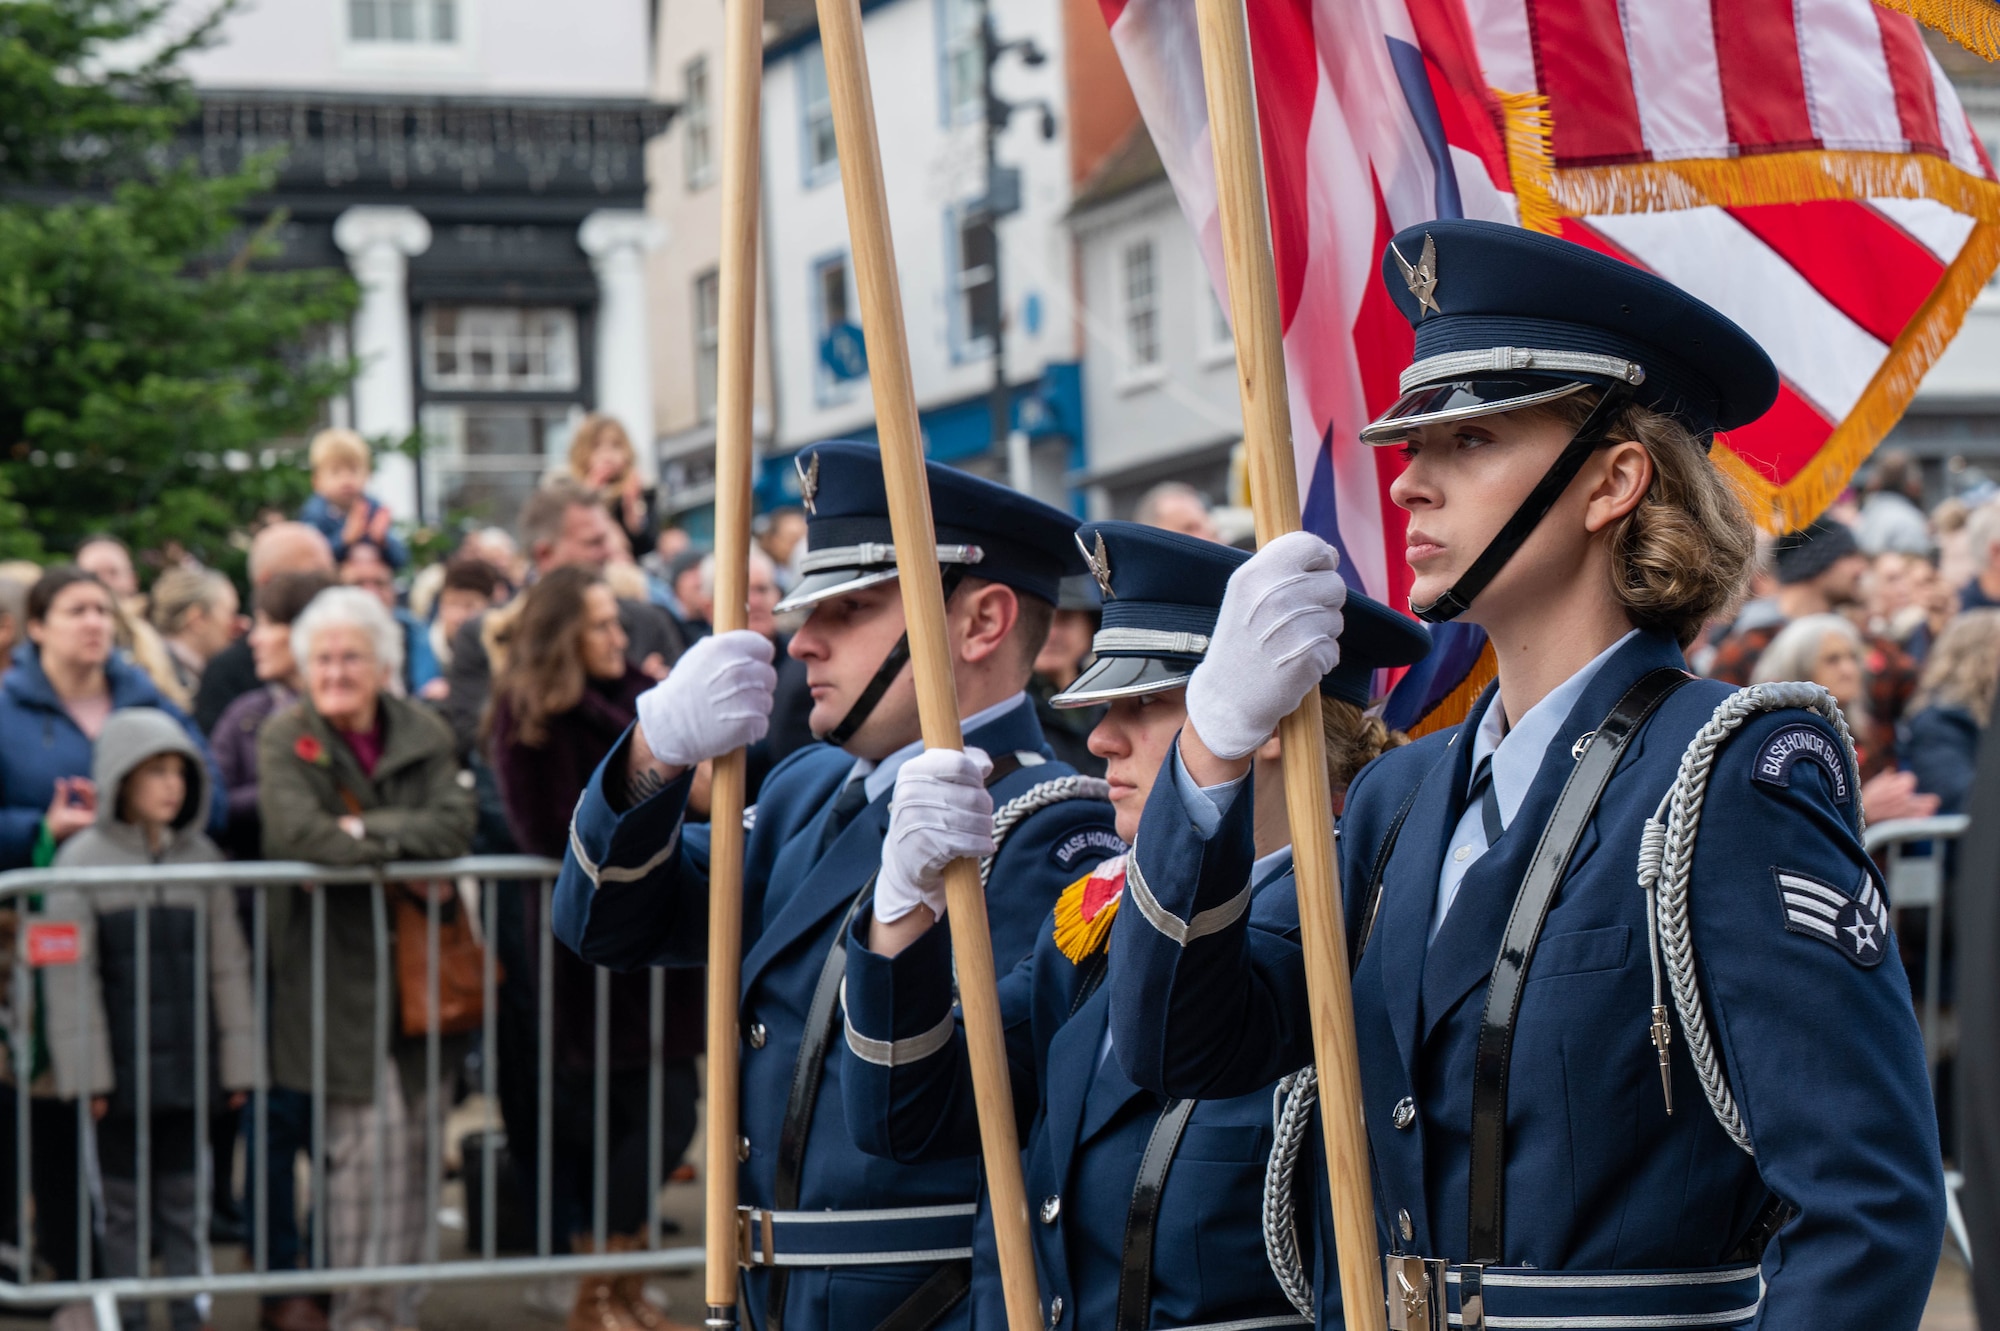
column 1278, row 634
column 940, row 812
column 717, row 698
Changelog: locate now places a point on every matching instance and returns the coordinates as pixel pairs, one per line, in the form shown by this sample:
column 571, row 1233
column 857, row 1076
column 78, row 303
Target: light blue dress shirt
column 1517, row 752
column 878, row 777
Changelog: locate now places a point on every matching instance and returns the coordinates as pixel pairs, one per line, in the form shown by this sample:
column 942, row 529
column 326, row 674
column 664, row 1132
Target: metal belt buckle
column 752, row 1224
column 1415, row 1290
column 1472, row 1296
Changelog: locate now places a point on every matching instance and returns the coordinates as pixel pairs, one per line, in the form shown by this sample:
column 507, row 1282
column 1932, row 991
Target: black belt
column 822, row 1019
column 1485, row 1227
column 1142, row 1218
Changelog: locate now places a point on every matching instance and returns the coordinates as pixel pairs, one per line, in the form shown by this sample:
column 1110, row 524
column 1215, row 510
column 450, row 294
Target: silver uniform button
column 1051, row 1208
column 742, row 1148
column 1403, row 1225
column 758, row 1035
column 1405, row 1113
column 1055, row 1311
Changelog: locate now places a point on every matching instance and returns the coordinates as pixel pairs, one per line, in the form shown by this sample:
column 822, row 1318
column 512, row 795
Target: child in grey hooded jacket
column 152, row 805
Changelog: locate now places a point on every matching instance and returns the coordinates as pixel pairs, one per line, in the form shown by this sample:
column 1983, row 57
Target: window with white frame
column 409, row 22
column 1139, row 275
column 822, row 154
column 834, row 374
column 707, row 338
column 697, row 143
column 1212, row 319
column 975, row 285
column 961, row 60
column 499, row 348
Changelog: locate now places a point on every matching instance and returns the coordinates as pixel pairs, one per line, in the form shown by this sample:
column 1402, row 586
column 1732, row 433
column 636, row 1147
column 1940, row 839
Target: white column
column 379, row 244
column 616, row 241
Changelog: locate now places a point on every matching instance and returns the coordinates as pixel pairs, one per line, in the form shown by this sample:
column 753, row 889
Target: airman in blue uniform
column 1145, row 1208
column 835, row 1239
column 1627, row 1060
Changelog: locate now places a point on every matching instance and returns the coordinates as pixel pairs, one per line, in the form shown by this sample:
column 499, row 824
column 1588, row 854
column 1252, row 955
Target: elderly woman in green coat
column 352, row 775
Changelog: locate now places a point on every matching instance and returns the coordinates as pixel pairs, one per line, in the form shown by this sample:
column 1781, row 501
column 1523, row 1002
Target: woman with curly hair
column 563, row 693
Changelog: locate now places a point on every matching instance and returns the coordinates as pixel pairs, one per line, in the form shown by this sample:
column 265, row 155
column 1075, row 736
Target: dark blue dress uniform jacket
column 634, row 892
column 1822, row 1053
column 1086, row 1125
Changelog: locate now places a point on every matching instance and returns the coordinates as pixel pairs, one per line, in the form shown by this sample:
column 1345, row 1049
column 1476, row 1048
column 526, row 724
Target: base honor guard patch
column 1086, row 908
column 1856, row 925
column 1794, row 745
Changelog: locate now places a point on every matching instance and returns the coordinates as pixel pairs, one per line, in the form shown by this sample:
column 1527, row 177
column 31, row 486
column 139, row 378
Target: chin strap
column 892, row 666
column 1588, row 439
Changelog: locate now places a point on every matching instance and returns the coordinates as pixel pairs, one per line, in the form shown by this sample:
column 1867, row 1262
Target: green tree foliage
column 154, row 378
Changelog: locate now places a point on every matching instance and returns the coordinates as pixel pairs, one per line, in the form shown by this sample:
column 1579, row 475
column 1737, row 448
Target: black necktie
column 852, row 800
column 1489, row 803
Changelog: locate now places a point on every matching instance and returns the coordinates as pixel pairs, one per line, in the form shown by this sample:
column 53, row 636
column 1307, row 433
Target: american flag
column 1802, row 165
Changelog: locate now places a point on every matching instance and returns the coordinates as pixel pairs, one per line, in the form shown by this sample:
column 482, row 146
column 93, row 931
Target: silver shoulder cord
column 1666, row 867
column 1059, row 790
column 1291, row 1112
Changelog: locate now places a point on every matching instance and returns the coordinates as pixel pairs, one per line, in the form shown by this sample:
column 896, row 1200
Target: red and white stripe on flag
column 1803, row 165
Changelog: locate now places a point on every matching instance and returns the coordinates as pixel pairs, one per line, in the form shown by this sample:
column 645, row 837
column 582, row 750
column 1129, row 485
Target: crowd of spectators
column 368, row 709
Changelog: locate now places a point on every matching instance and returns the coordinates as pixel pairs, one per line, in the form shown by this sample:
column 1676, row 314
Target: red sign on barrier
column 55, row 944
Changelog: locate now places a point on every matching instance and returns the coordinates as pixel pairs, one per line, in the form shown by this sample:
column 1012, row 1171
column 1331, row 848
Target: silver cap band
column 1157, row 642
column 1501, row 360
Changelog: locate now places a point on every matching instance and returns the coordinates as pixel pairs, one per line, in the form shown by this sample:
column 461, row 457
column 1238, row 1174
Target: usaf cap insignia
column 1422, row 279
column 808, row 470
column 1855, row 926
column 1099, row 564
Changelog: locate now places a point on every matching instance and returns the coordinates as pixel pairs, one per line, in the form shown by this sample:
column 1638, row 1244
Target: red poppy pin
column 309, row 750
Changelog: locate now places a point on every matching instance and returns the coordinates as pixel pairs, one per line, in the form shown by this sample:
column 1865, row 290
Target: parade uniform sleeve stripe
column 895, row 1053
column 600, row 875
column 1211, row 921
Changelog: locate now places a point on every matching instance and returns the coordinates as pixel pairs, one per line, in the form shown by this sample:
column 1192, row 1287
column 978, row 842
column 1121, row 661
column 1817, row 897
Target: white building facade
column 684, row 198
column 479, row 166
column 1160, row 395
column 926, row 62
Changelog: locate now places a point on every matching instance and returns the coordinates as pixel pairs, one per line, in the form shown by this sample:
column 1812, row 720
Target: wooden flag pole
column 742, row 80
column 1274, row 495
column 923, row 609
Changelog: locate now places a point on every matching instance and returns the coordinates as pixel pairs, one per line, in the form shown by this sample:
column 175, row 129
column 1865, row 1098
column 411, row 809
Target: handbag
column 461, row 959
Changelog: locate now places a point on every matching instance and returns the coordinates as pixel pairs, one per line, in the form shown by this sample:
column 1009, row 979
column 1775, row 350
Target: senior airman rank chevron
column 1857, row 925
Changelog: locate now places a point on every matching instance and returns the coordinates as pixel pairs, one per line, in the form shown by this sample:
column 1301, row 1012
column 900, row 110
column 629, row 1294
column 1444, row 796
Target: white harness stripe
column 895, row 1053
column 1210, row 921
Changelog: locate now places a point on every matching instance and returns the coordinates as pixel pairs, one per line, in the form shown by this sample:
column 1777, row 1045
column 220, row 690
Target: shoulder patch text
column 1796, row 744
column 1087, row 846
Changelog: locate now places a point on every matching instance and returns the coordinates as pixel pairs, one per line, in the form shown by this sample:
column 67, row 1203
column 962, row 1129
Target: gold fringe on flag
column 1531, row 157
column 1546, row 194
column 1453, row 708
column 1973, row 24
column 1787, row 507
column 1792, row 177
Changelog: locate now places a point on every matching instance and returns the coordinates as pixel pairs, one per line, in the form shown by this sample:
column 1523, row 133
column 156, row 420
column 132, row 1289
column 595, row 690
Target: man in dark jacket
column 282, row 547
column 563, row 525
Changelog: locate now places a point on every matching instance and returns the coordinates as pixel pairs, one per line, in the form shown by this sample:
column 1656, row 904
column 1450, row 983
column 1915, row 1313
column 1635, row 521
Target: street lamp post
column 1003, row 197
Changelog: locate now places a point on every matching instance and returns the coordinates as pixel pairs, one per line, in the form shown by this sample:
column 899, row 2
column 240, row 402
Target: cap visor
column 816, row 587
column 1109, row 678
column 1463, row 399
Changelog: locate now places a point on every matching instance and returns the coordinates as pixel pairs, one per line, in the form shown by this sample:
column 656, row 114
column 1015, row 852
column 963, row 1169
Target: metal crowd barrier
column 261, row 877
column 1911, row 852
